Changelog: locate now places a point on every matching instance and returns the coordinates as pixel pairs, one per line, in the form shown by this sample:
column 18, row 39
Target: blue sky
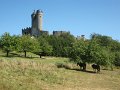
column 80, row 17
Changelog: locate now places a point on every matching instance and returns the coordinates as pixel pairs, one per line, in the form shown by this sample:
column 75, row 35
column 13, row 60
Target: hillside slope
column 43, row 74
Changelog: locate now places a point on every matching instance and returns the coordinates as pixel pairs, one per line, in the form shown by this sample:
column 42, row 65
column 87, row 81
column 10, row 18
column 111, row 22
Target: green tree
column 100, row 55
column 79, row 50
column 102, row 40
column 115, row 46
column 61, row 44
column 8, row 43
column 117, row 59
column 108, row 46
column 27, row 44
column 44, row 47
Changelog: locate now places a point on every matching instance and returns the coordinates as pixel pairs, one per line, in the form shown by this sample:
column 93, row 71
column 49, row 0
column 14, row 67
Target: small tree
column 7, row 43
column 44, row 47
column 27, row 44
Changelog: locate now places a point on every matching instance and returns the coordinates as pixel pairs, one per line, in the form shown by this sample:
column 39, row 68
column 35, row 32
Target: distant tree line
column 99, row 49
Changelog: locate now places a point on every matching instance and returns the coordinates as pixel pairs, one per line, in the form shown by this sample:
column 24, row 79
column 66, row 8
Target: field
column 17, row 73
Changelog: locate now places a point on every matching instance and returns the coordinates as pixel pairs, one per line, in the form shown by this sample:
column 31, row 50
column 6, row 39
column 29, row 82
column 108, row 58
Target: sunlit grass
column 19, row 73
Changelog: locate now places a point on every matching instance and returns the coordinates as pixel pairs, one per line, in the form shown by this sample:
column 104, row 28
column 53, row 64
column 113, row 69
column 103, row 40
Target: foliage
column 26, row 44
column 8, row 42
column 102, row 40
column 61, row 44
column 44, row 46
column 117, row 59
column 98, row 49
column 78, row 51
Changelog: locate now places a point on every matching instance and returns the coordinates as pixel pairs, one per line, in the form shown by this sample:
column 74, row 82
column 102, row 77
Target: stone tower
column 36, row 26
column 36, row 22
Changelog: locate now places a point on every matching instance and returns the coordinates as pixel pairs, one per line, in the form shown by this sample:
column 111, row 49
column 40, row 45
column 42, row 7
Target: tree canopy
column 99, row 49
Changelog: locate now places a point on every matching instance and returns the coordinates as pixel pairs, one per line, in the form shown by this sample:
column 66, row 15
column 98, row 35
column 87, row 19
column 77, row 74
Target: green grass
column 18, row 73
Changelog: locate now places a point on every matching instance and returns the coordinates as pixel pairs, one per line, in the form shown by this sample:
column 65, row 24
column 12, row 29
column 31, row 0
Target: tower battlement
column 26, row 31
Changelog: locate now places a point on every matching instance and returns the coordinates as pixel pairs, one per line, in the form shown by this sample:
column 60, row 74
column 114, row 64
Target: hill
column 43, row 74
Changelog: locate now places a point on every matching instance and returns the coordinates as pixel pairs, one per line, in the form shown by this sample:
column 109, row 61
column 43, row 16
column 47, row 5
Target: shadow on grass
column 83, row 71
column 11, row 55
column 59, row 65
column 28, row 56
column 23, row 57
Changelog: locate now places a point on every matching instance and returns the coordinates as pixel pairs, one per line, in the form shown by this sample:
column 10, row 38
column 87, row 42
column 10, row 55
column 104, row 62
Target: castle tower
column 36, row 25
column 36, row 22
column 33, row 18
column 39, row 15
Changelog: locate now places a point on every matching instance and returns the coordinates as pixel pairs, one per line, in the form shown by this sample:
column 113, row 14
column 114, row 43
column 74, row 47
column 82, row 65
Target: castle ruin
column 36, row 27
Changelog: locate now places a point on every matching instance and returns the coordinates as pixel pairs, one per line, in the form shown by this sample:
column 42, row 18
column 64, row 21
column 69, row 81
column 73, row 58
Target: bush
column 61, row 65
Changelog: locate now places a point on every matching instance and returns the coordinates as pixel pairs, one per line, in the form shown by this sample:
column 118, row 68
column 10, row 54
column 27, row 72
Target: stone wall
column 26, row 31
column 58, row 33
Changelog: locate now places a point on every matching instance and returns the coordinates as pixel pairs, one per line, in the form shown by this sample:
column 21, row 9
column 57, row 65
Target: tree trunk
column 25, row 53
column 40, row 56
column 7, row 53
column 111, row 67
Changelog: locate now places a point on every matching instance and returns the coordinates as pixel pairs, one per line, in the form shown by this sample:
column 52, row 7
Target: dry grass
column 43, row 74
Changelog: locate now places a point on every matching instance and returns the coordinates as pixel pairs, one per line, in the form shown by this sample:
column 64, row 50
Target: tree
column 78, row 51
column 8, row 43
column 27, row 44
column 109, row 48
column 115, row 46
column 107, row 42
column 43, row 47
column 117, row 59
column 61, row 44
column 102, row 40
column 99, row 55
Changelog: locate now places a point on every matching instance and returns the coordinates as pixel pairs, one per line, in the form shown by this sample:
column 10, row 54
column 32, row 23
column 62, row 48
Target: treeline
column 99, row 49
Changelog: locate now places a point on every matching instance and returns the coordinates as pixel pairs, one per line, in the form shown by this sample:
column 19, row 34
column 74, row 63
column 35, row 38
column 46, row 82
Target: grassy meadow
column 53, row 73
